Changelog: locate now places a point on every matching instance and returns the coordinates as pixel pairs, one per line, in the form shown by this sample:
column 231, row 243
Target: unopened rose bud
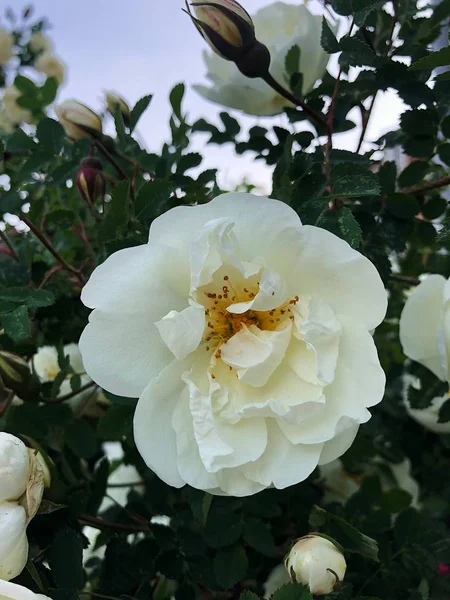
column 113, row 101
column 78, row 120
column 16, row 375
column 13, row 541
column 317, row 563
column 229, row 30
column 14, row 591
column 14, row 467
column 90, row 180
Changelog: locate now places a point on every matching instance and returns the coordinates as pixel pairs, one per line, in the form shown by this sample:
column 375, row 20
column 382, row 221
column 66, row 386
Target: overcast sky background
column 139, row 47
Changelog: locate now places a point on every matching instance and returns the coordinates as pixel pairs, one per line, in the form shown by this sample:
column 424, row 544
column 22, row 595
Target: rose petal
column 182, row 331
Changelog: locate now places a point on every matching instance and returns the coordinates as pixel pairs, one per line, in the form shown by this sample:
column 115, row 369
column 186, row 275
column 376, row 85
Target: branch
column 366, row 114
column 71, row 395
column 45, row 242
column 9, row 245
column 101, row 524
column 110, row 158
column 422, row 188
column 404, row 279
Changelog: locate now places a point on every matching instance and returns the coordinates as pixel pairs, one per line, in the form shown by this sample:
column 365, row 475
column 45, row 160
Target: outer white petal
column 13, row 591
column 121, row 347
column 359, row 383
column 277, row 578
column 263, row 228
column 14, row 467
column 421, row 325
column 182, row 331
column 13, row 540
column 153, row 431
column 339, row 445
column 283, row 464
column 342, row 277
column 255, row 354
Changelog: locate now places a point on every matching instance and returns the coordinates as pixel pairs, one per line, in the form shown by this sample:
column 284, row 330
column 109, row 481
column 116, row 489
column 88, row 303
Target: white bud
column 317, row 563
column 13, row 111
column 13, row 540
column 14, row 467
column 113, row 100
column 50, row 65
column 6, row 46
column 39, row 41
column 78, row 120
column 13, row 591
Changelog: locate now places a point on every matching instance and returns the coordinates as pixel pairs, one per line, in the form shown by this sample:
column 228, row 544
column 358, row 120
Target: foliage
column 220, row 547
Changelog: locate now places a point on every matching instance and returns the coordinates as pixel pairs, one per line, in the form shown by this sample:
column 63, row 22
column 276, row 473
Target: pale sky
column 146, row 46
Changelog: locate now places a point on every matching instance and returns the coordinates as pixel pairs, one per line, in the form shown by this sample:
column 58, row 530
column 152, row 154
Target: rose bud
column 113, row 101
column 16, row 375
column 90, row 180
column 229, row 30
column 78, row 120
column 317, row 563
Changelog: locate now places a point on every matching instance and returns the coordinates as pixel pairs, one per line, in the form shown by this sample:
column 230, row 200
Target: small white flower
column 113, row 100
column 246, row 336
column 6, row 46
column 279, row 26
column 14, row 467
column 13, row 540
column 14, row 112
column 40, row 42
column 317, row 563
column 50, row 65
column 13, row 591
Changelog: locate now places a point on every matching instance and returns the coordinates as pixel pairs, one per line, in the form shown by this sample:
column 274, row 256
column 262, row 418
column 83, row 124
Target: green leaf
column 116, row 424
column 444, row 412
column 342, row 7
column 46, row 507
column 328, row 40
column 80, row 438
column 188, row 161
column 346, row 534
column 394, row 501
column 388, row 176
column 445, row 127
column 444, row 153
column 345, row 226
column 25, row 85
column 230, row 566
column 66, row 559
column 152, row 199
column 247, row 595
column 10, row 202
column 355, row 52
column 259, row 537
column 19, row 141
column 222, row 529
column 402, row 206
column 293, row 591
column 351, row 180
column 434, row 207
column 176, row 98
column 117, row 213
column 232, row 127
column 138, row 110
column 119, row 124
column 17, row 324
column 292, row 61
column 27, row 296
column 413, row 173
column 441, row 58
column 49, row 90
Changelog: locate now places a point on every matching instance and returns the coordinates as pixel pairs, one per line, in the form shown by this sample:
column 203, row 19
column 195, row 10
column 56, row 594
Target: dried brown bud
column 90, row 180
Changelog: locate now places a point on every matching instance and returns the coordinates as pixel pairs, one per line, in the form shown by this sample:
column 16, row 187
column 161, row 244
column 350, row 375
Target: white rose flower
column 279, row 26
column 13, row 591
column 425, row 325
column 13, row 540
column 277, row 578
column 50, row 65
column 46, row 367
column 6, row 46
column 40, row 42
column 317, row 563
column 340, row 485
column 246, row 336
column 14, row 112
column 14, row 467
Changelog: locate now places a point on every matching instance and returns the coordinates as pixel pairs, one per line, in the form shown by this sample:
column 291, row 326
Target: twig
column 101, row 524
column 71, row 395
column 45, row 242
column 126, row 485
column 404, row 279
column 5, row 404
column 366, row 114
column 49, row 274
column 9, row 245
column 110, row 158
column 422, row 188
column 289, row 96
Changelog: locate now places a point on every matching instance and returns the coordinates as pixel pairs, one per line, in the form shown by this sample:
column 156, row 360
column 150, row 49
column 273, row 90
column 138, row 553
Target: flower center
column 221, row 325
